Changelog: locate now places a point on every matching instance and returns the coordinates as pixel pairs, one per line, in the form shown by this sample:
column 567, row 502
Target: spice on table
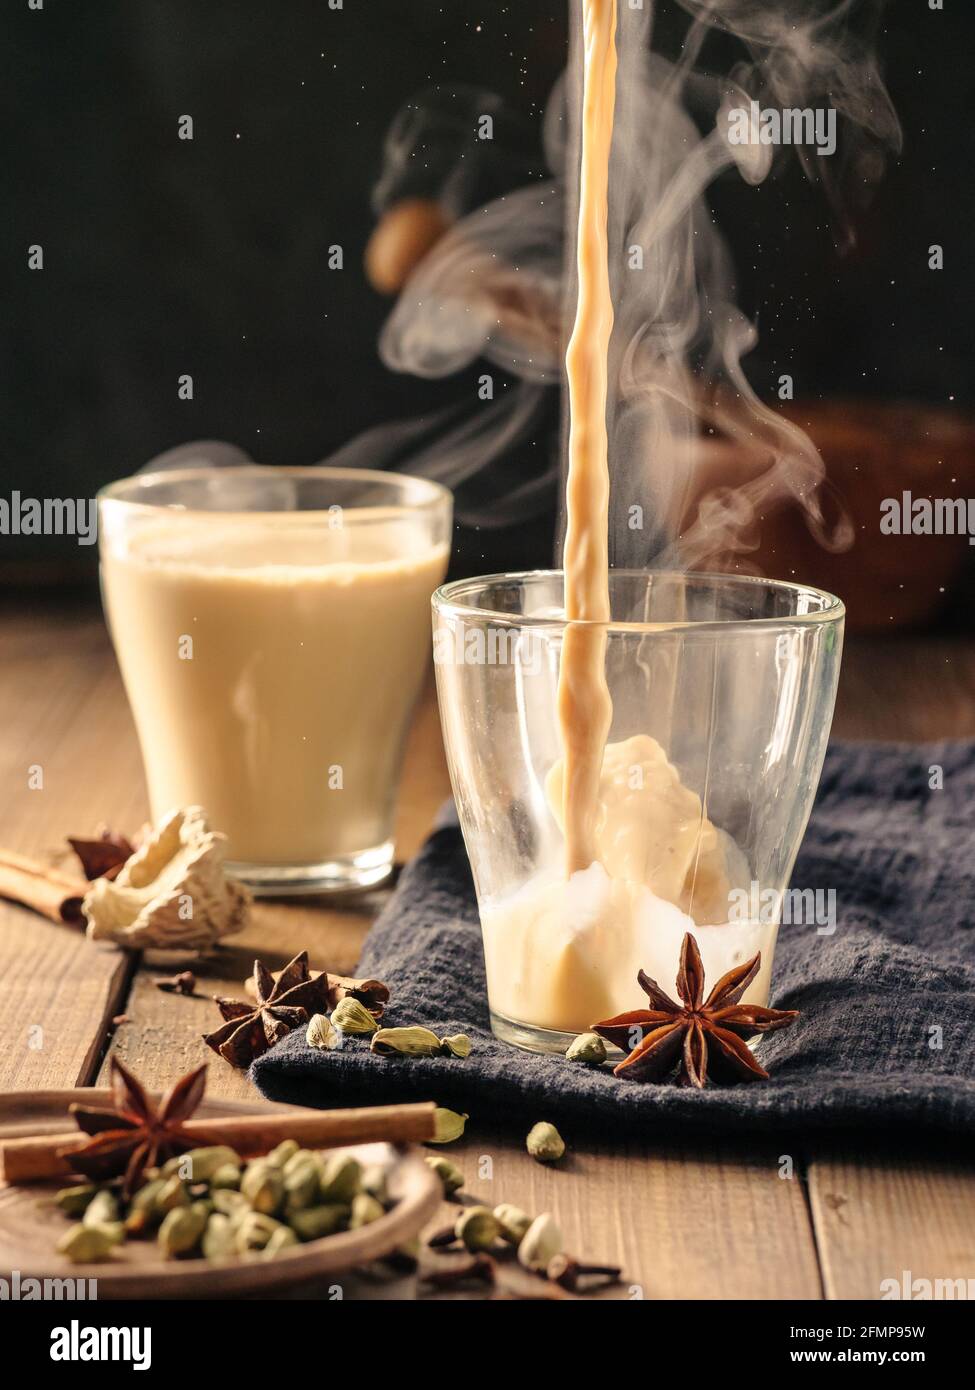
column 708, row 1036
column 103, row 855
column 341, row 1177
column 373, row 994
column 445, row 1238
column 365, row 1210
column 513, row 1222
column 33, row 1158
column 322, row 1033
column 183, row 983
column 192, row 1217
column 74, row 1200
column 50, row 892
column 351, row 1016
column 449, row 1174
column 545, row 1143
column 263, row 1186
column 570, row 1273
column 182, row 1229
column 283, row 1004
column 86, row 1245
column 540, row 1243
column 405, row 1042
column 180, row 861
column 477, row 1228
column 101, row 1210
column 137, row 1133
column 456, row 1045
column 448, row 1126
column 587, row 1048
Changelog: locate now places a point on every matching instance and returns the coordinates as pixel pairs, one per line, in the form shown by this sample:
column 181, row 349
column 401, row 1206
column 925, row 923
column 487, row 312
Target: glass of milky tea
column 271, row 626
column 722, row 689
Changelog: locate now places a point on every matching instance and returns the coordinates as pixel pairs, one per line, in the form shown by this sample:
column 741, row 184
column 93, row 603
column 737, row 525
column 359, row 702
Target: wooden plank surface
column 879, row 1217
column 683, row 1223
column 906, row 688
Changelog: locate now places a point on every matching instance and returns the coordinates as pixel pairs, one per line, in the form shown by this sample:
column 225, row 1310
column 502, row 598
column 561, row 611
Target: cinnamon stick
column 49, row 1155
column 54, row 894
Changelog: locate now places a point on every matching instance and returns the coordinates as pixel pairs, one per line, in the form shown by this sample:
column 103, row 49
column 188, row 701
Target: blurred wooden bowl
column 872, row 451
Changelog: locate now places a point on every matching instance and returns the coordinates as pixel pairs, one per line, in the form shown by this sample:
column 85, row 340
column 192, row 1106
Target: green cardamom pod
column 227, row 1201
column 448, row 1173
column 219, row 1238
column 587, row 1048
column 182, row 1230
column 172, row 1194
column 86, row 1244
column 513, row 1222
column 365, row 1210
column 102, row 1209
column 352, row 1017
column 448, row 1126
column 322, row 1033
column 456, row 1045
column 115, row 1230
column 280, row 1240
column 314, row 1222
column 540, row 1243
column 301, row 1186
column 478, row 1228
column 282, row 1153
column 545, row 1143
column 405, row 1042
column 253, row 1232
column 227, row 1176
column 341, row 1175
column 199, row 1165
column 143, row 1212
column 73, row 1200
column 300, row 1159
column 263, row 1186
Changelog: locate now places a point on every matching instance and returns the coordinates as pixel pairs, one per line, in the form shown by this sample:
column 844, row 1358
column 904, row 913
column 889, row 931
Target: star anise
column 137, row 1133
column 282, row 1005
column 708, row 1036
column 103, row 856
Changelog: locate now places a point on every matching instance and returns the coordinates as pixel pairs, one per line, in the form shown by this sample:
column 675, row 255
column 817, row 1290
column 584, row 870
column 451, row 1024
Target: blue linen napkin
column 887, row 1028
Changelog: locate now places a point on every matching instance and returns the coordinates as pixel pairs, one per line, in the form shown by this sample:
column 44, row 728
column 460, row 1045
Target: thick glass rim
column 448, row 600
column 421, row 495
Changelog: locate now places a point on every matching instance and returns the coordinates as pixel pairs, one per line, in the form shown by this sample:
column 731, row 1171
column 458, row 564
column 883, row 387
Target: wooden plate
column 30, row 1225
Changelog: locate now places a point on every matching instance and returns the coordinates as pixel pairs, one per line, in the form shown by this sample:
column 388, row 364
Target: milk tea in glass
column 272, row 629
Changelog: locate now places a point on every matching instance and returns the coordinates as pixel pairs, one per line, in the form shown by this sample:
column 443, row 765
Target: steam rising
column 494, row 286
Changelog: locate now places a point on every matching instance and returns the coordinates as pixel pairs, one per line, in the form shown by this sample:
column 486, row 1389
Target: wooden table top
column 807, row 1218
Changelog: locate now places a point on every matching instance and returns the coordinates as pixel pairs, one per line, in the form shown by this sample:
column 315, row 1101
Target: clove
column 570, row 1273
column 443, row 1239
column 183, row 983
column 478, row 1269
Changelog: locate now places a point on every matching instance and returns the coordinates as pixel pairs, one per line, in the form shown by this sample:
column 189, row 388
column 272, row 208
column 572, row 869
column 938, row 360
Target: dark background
column 209, row 256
